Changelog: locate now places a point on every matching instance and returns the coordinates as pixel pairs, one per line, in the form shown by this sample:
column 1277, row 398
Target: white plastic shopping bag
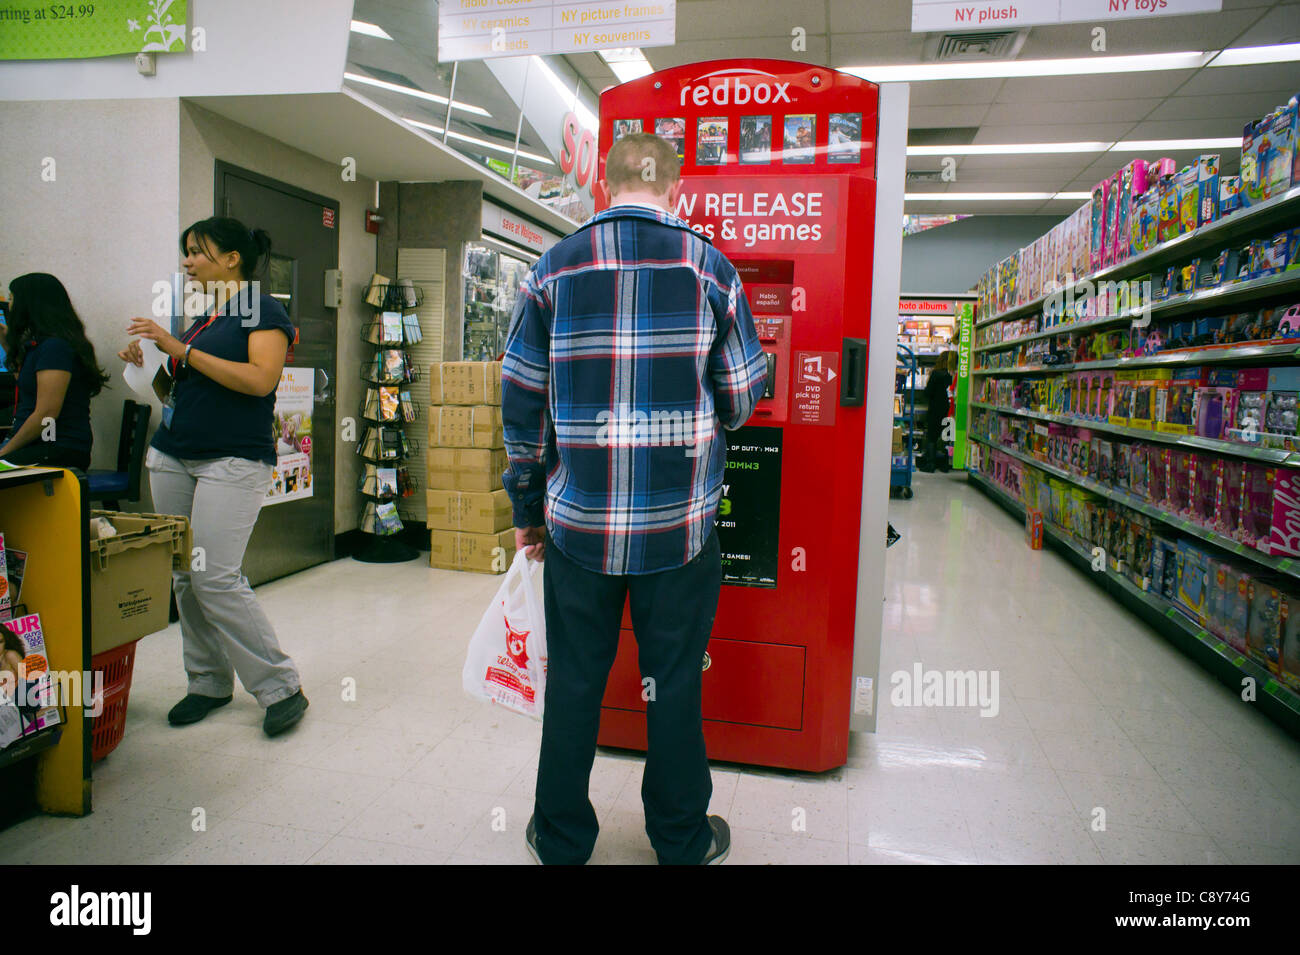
column 506, row 662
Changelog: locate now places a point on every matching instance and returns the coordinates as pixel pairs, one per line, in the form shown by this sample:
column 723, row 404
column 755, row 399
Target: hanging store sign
column 484, row 29
column 961, row 390
column 506, row 225
column 73, row 31
column 920, row 306
column 933, row 15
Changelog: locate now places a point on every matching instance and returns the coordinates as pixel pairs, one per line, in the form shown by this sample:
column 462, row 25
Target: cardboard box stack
column 468, row 509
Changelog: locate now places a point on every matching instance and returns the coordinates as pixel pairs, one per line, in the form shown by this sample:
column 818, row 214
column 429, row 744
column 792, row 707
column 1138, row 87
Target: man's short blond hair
column 626, row 166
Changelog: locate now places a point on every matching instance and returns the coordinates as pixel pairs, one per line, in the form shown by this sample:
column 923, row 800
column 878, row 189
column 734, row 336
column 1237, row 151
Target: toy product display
column 1264, row 623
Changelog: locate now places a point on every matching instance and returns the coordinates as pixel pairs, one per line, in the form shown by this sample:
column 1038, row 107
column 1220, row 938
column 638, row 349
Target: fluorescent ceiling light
column 567, row 94
column 1152, row 144
column 974, row 196
column 369, row 29
column 1250, row 55
column 1008, row 149
column 628, row 63
column 1013, row 149
column 418, row 94
column 987, row 196
column 1079, row 66
column 486, row 144
column 1001, row 69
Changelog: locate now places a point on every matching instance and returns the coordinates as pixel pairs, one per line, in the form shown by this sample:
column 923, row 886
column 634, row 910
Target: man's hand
column 532, row 541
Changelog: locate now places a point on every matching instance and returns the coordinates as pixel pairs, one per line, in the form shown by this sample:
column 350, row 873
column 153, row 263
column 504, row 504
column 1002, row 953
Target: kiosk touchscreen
column 778, row 169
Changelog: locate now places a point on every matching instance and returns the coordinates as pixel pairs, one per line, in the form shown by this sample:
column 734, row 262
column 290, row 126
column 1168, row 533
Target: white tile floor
column 1096, row 712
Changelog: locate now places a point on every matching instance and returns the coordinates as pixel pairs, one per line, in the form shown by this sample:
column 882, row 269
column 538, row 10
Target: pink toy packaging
column 1178, row 490
column 1110, row 239
column 1098, row 242
column 1216, row 409
column 1202, row 489
column 1256, row 505
column 1284, row 530
column 1158, row 475
column 1228, row 480
column 1139, row 474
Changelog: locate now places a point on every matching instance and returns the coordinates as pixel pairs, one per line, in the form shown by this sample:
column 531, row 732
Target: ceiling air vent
column 925, row 175
column 983, row 45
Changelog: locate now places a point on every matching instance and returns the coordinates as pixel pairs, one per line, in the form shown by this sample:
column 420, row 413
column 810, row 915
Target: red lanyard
column 194, row 333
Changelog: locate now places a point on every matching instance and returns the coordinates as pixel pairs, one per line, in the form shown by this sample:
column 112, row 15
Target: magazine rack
column 45, row 511
column 386, row 409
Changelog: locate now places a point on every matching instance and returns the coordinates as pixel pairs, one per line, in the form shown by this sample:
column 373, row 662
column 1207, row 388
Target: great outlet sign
column 933, row 15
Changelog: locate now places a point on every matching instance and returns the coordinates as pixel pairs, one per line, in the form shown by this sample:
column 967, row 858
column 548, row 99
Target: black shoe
column 280, row 716
column 721, row 841
column 194, row 707
column 530, row 839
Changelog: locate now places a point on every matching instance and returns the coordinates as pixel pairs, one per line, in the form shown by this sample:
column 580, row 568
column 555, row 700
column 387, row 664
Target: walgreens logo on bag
column 506, row 661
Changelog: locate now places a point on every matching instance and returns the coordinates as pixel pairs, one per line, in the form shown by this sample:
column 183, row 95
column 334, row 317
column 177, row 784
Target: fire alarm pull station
column 779, row 172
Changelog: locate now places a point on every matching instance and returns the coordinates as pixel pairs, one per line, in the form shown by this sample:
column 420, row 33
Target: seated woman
column 57, row 373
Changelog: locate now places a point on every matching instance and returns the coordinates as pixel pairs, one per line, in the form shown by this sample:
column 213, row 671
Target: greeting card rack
column 387, row 408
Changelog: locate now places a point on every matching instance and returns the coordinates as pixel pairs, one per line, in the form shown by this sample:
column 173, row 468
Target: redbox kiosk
column 779, row 170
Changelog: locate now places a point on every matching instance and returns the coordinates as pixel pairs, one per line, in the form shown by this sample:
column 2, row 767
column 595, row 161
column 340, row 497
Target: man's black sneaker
column 194, row 707
column 280, row 716
column 530, row 839
column 721, row 841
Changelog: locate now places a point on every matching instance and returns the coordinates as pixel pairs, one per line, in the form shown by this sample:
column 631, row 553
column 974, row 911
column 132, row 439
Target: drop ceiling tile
column 697, row 50
column 955, row 92
column 1279, row 25
column 1085, row 111
column 1238, row 107
column 931, row 117
column 1066, row 133
column 715, row 19
column 1219, row 80
column 1152, row 35
column 861, row 49
column 1060, row 165
column 1186, row 129
column 1031, row 89
column 851, row 16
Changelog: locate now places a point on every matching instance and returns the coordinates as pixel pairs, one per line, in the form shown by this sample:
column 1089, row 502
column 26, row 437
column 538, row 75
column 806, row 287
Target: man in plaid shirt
column 631, row 348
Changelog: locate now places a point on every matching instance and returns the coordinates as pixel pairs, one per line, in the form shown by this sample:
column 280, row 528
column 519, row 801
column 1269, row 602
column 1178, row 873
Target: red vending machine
column 778, row 166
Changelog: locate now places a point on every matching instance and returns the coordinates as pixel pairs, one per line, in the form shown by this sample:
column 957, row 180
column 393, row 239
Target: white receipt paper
column 139, row 378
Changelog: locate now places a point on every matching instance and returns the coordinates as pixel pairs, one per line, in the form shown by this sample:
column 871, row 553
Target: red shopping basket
column 109, row 726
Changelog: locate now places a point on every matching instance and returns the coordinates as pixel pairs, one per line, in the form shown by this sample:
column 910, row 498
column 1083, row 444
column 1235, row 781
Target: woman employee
column 57, row 376
column 211, row 460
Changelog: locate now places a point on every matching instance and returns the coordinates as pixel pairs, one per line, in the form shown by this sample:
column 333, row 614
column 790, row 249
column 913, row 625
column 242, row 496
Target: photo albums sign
column 483, row 29
column 70, row 31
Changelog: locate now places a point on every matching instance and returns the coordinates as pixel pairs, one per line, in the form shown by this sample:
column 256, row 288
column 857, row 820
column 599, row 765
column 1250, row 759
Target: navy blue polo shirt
column 210, row 420
column 72, row 426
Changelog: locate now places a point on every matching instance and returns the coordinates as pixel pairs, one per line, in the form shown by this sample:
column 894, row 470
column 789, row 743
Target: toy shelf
column 1276, row 456
column 1223, row 661
column 1202, row 356
column 45, row 511
column 1281, row 565
column 1232, row 293
column 1257, row 218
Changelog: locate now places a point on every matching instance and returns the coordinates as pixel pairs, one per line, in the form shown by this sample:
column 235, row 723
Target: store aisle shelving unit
column 45, row 511
column 1225, row 662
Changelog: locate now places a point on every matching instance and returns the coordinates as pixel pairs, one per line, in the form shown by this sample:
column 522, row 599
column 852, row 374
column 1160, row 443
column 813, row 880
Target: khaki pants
column 222, row 625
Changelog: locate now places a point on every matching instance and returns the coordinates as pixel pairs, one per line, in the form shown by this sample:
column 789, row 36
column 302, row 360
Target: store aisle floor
column 1095, row 712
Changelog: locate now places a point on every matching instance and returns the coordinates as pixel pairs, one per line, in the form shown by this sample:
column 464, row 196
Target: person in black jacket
column 934, row 453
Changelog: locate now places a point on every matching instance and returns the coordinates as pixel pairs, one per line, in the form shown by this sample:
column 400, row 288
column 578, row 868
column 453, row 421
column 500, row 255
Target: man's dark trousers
column 672, row 616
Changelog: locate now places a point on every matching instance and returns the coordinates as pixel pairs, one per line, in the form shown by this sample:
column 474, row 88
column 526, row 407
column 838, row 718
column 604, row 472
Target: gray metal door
column 295, row 534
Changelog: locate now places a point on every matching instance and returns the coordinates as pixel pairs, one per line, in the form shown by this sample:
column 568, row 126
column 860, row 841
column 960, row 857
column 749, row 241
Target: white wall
column 105, row 225
column 252, row 47
column 206, row 137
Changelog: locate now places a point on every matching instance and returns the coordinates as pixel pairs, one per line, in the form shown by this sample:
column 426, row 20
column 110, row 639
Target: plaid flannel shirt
column 631, row 348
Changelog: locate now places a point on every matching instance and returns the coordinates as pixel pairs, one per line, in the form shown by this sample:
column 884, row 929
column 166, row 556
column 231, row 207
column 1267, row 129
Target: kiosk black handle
column 853, row 373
